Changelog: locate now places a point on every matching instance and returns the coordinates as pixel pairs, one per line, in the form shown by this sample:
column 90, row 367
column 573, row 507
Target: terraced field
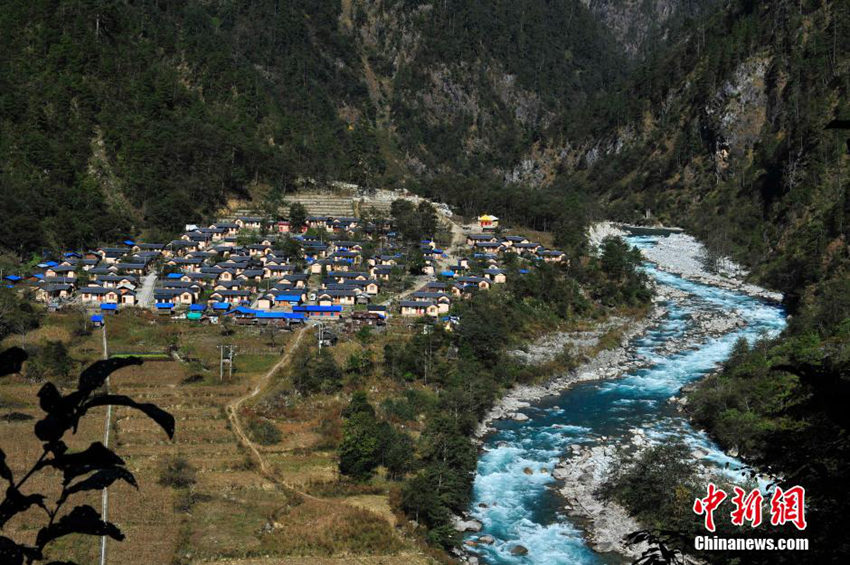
column 296, row 511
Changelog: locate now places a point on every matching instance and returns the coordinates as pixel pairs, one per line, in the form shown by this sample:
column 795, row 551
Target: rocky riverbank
column 585, row 471
column 583, row 474
column 587, row 466
column 607, row 364
column 684, row 255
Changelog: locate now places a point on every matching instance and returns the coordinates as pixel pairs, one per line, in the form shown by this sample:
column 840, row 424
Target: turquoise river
column 521, row 509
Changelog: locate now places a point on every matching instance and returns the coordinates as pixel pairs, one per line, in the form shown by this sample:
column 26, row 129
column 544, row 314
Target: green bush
column 177, row 472
column 263, row 432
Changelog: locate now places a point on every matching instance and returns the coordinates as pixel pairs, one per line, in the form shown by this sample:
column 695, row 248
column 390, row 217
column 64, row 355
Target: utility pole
column 104, row 498
column 321, row 334
column 225, row 358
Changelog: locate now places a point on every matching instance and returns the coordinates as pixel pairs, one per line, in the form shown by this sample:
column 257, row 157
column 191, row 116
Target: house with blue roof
column 323, row 312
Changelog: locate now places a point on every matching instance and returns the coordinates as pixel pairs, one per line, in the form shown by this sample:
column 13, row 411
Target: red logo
column 708, row 505
column 786, row 506
column 747, row 509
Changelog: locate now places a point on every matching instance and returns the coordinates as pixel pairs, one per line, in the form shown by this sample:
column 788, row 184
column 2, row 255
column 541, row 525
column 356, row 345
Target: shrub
column 177, row 472
column 263, row 432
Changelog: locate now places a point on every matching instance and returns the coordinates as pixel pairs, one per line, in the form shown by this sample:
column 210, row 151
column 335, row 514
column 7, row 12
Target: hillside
column 726, row 135
column 122, row 116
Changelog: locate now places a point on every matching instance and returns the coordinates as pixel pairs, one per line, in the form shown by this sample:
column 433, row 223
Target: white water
column 518, row 508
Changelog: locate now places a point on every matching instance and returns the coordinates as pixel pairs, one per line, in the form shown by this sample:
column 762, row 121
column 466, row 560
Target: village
column 264, row 271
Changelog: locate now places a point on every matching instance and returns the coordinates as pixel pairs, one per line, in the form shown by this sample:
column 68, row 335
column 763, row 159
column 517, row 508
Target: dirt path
column 448, row 259
column 233, row 407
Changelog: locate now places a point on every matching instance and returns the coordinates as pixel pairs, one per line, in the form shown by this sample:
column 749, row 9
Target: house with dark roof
column 272, row 271
column 488, row 246
column 474, row 238
column 495, row 275
column 251, row 276
column 227, row 285
column 229, row 228
column 441, row 299
column 480, row 282
column 174, row 295
column 527, row 248
column 336, row 297
column 416, row 308
column 178, row 248
column 298, row 280
column 511, row 240
column 551, row 255
column 114, row 281
column 112, row 254
column 138, row 269
column 230, row 296
column 48, row 292
column 382, row 272
column 249, row 222
column 192, row 264
column 60, row 271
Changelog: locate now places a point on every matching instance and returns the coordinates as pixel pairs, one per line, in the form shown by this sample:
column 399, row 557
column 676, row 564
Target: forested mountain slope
column 118, row 116
column 725, row 132
column 122, row 115
column 729, row 131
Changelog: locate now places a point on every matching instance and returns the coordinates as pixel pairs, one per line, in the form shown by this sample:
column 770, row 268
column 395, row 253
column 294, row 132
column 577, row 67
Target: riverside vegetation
column 448, row 380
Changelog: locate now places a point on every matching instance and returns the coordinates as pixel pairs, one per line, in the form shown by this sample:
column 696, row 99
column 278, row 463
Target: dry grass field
column 297, row 512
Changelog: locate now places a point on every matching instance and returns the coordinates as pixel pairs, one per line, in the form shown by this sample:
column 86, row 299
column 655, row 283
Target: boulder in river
column 467, row 525
column 519, row 550
column 528, row 471
column 488, row 539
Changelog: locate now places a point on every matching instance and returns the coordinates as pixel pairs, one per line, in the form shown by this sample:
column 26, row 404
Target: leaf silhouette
column 95, row 375
column 5, row 471
column 102, row 479
column 13, row 553
column 95, row 457
column 16, row 502
column 11, row 361
column 81, row 520
column 154, row 412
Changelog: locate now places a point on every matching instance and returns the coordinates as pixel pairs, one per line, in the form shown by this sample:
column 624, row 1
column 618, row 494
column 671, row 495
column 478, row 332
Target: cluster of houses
column 269, row 272
column 237, row 266
column 478, row 270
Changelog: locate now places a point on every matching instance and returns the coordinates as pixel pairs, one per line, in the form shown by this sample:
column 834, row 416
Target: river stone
column 488, row 539
column 604, row 547
column 520, row 417
column 467, row 525
column 528, row 471
column 519, row 550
